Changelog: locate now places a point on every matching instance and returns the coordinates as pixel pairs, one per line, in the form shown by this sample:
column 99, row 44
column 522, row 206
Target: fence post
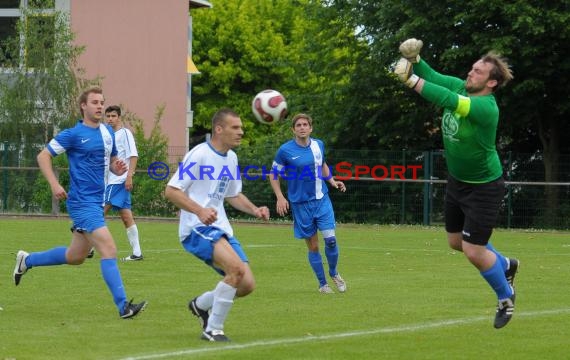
column 5, row 176
column 403, row 202
column 54, row 200
column 509, row 189
column 427, row 187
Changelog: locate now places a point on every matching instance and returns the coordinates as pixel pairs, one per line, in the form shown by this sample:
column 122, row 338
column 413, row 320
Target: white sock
column 133, row 236
column 223, row 300
column 205, row 300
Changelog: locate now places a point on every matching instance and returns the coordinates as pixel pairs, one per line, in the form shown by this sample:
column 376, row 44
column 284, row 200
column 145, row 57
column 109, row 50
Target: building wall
column 139, row 48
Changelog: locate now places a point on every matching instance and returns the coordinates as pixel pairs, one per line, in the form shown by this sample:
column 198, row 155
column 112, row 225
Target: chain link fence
column 383, row 187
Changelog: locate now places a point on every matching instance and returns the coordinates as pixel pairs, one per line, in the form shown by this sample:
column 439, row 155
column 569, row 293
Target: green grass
column 409, row 297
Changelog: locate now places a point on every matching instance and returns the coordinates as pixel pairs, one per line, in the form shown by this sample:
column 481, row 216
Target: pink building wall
column 139, row 48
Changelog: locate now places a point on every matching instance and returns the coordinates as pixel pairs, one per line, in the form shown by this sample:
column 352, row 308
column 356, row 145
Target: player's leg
column 326, row 224
column 72, row 255
column 132, row 234
column 454, row 222
column 316, row 262
column 484, row 204
column 105, row 245
column 210, row 245
column 106, row 208
column 454, row 216
column 492, row 271
column 25, row 261
column 228, row 257
column 305, row 227
column 198, row 245
column 121, row 200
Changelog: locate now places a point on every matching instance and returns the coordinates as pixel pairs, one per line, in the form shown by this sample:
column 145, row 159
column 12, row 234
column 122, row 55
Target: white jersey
column 207, row 177
column 126, row 148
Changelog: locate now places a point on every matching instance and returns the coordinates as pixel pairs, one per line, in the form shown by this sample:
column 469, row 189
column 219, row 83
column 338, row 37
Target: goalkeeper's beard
column 473, row 89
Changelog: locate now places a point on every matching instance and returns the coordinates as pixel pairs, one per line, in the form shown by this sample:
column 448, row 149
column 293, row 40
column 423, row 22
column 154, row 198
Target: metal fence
column 382, row 188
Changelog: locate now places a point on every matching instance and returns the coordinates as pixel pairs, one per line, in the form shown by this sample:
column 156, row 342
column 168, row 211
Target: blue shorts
column 201, row 242
column 313, row 215
column 118, row 196
column 86, row 217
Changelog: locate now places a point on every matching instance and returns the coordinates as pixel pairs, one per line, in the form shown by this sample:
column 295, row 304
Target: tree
column 296, row 47
column 39, row 96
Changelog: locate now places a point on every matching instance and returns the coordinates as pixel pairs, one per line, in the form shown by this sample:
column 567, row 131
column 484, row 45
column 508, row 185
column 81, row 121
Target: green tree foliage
column 296, row 47
column 38, row 96
column 148, row 193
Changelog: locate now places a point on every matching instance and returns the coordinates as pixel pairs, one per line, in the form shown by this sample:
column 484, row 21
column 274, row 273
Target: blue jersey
column 302, row 168
column 89, row 151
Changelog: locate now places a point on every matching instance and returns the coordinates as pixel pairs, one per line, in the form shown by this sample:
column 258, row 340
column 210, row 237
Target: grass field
column 409, row 297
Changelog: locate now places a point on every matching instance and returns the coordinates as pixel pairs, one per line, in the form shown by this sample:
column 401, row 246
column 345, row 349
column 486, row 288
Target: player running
column 91, row 151
column 205, row 230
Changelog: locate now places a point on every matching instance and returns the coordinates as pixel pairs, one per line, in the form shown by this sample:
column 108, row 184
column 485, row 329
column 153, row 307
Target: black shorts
column 473, row 208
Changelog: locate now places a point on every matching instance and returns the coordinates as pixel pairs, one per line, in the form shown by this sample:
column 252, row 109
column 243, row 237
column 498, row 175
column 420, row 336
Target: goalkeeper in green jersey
column 475, row 185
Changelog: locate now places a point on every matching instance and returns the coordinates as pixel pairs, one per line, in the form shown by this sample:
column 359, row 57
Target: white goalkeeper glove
column 405, row 71
column 410, row 49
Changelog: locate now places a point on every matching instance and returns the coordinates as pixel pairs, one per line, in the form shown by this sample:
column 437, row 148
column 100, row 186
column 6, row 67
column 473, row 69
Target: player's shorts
column 118, row 196
column 86, row 217
column 201, row 242
column 473, row 208
column 313, row 215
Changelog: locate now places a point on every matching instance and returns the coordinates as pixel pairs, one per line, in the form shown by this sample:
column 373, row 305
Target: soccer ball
column 269, row 106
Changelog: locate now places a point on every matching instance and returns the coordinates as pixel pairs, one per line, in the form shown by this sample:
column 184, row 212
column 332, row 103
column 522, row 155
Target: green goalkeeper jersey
column 469, row 126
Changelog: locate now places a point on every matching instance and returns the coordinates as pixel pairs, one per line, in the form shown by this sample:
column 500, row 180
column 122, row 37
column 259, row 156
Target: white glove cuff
column 412, row 81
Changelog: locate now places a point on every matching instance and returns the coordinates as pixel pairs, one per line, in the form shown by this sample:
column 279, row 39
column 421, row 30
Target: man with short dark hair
column 119, row 187
column 205, row 230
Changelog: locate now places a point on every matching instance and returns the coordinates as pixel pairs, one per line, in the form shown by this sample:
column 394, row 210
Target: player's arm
column 176, row 196
column 424, row 71
column 117, row 166
column 434, row 93
column 282, row 205
column 444, row 97
column 132, row 154
column 243, row 204
column 410, row 50
column 45, row 163
column 330, row 178
column 411, row 75
column 132, row 168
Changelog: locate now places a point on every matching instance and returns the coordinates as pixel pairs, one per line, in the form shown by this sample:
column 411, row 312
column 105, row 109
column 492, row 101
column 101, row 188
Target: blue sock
column 112, row 276
column 332, row 258
column 495, row 276
column 316, row 262
column 503, row 260
column 55, row 256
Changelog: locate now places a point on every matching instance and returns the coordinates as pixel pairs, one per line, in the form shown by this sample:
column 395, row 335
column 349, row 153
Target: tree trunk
column 550, row 137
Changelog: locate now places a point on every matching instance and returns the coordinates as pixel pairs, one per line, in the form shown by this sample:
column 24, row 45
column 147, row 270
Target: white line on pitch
column 388, row 330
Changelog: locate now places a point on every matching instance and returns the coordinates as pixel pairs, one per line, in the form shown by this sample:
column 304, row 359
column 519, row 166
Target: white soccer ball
column 269, row 106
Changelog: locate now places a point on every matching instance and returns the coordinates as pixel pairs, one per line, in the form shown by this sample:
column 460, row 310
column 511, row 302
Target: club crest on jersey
column 449, row 125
